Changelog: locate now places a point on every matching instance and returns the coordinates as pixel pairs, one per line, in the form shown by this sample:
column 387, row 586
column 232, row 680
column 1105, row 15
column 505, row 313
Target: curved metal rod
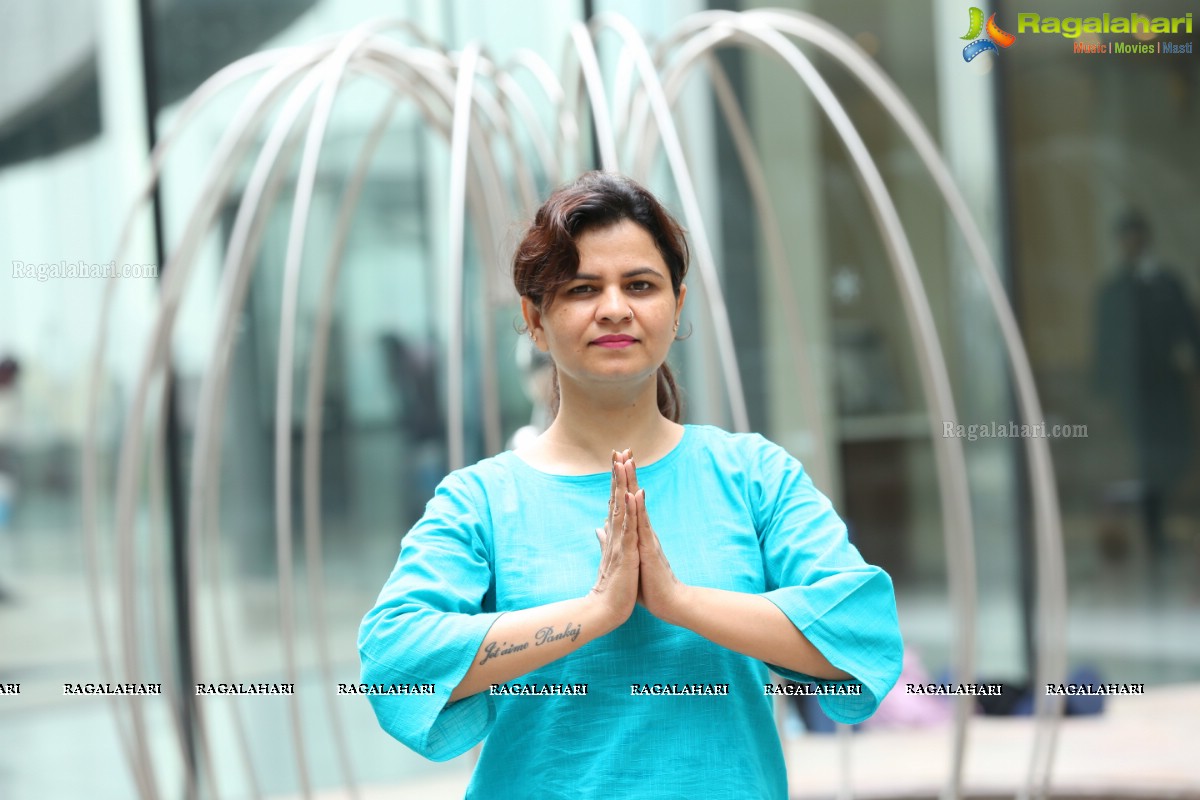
column 578, row 155
column 202, row 95
column 460, row 136
column 777, row 260
column 520, row 106
column 589, row 67
column 567, row 127
column 538, row 137
column 454, row 296
column 625, row 91
column 673, row 83
column 159, row 523
column 313, row 408
column 313, row 411
column 705, row 260
column 644, row 144
column 201, row 471
column 245, row 236
column 249, row 226
column 332, row 71
column 200, row 98
column 948, row 452
column 511, row 92
column 175, row 274
column 216, row 355
column 487, row 187
column 89, row 480
column 129, row 473
column 483, row 182
column 129, row 470
column 949, row 455
column 242, row 246
column 1050, row 567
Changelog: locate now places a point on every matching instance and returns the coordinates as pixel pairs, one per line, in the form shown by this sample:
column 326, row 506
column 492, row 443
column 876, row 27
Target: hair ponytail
column 670, row 404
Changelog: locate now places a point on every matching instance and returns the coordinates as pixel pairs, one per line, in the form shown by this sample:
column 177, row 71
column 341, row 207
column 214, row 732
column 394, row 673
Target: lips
column 614, row 340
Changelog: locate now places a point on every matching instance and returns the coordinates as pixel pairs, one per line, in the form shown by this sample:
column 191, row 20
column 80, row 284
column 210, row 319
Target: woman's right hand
column 616, row 586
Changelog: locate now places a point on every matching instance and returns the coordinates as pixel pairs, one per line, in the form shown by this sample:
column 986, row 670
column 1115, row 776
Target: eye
column 582, row 288
column 641, row 286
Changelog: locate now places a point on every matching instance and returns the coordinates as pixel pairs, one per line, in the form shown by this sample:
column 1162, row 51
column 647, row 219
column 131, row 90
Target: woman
column 716, row 558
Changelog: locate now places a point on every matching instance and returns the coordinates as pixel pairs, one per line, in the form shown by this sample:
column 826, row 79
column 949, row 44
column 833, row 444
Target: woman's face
column 587, row 328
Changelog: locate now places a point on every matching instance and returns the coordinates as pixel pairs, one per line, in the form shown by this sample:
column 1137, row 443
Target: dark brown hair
column 547, row 256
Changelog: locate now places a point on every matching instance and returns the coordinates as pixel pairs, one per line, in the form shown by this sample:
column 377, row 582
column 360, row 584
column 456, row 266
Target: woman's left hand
column 658, row 588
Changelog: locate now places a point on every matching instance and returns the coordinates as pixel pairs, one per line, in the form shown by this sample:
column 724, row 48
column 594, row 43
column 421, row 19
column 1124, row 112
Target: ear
column 533, row 321
column 679, row 301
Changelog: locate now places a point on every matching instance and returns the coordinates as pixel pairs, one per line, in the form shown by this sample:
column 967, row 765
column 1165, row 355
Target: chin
column 624, row 376
column 613, row 377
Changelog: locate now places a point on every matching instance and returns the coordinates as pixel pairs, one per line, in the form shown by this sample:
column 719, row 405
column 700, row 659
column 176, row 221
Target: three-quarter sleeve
column 427, row 625
column 844, row 606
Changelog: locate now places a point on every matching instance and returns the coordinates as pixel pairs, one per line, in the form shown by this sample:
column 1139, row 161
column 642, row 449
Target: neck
column 594, row 421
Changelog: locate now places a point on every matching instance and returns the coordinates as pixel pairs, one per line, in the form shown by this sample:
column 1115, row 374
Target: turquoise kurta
column 733, row 511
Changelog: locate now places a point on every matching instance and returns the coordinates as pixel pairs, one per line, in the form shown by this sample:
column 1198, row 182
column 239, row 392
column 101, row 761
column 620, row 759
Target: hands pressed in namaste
column 633, row 566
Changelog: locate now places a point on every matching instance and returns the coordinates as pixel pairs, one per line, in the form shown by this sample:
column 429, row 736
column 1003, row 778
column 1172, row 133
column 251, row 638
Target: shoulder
column 483, row 476
column 770, row 480
column 471, row 489
column 720, row 439
column 750, row 451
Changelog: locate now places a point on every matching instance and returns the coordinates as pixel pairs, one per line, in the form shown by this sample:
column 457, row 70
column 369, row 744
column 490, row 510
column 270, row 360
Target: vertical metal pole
column 1026, row 550
column 176, row 496
column 589, row 11
column 739, row 240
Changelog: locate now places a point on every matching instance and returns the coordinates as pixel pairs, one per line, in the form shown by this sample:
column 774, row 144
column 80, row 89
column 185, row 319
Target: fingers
column 622, row 528
column 612, row 491
column 647, row 540
column 631, row 476
column 631, row 517
column 616, row 503
column 626, row 468
column 643, row 518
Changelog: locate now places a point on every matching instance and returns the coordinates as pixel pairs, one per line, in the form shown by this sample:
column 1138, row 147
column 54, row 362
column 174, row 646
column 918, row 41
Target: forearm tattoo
column 497, row 649
column 546, row 635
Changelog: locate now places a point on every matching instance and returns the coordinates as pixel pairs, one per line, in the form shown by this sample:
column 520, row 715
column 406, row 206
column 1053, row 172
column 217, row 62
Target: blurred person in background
column 1147, row 348
column 9, row 370
column 413, row 372
column 717, row 557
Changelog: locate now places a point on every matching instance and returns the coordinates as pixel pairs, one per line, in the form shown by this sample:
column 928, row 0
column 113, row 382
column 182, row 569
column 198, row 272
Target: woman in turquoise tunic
column 630, row 659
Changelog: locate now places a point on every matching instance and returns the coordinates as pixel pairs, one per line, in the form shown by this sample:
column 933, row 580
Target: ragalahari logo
column 995, row 36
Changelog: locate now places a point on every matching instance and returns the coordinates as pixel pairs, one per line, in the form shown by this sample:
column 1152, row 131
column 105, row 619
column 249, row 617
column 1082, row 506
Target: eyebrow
column 633, row 273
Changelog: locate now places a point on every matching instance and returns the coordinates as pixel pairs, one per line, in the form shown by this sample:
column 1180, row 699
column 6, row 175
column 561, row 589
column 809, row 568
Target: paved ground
column 1145, row 746
column 1142, row 747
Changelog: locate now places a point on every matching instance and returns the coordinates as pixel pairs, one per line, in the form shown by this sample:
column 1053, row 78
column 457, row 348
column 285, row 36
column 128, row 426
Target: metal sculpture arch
column 478, row 106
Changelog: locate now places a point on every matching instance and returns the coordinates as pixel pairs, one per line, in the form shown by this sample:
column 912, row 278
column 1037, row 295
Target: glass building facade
column 1080, row 168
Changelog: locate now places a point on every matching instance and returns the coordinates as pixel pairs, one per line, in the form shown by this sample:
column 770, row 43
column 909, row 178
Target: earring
column 676, row 328
column 533, row 336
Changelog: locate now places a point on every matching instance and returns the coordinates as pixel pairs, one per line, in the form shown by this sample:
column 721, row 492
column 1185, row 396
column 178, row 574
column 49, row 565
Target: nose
column 613, row 306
